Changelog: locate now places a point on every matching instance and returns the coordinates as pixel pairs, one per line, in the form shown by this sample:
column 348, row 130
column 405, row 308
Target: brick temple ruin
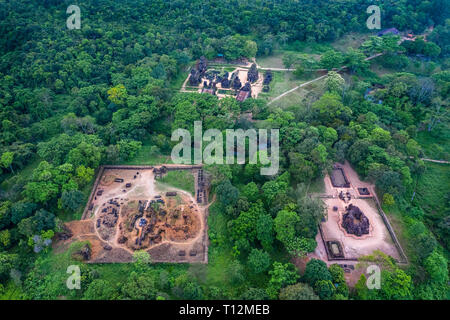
column 242, row 83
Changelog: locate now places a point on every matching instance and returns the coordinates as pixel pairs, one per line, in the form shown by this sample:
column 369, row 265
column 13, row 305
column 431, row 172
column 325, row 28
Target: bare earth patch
column 128, row 211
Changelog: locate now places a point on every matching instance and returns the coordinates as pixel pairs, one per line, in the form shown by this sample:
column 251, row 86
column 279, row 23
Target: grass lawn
column 181, row 179
column 272, row 61
column 435, row 147
column 296, row 97
column 282, row 81
column 275, row 60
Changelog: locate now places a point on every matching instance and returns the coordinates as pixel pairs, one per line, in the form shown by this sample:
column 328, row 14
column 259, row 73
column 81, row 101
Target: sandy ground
column 257, row 86
column 353, row 246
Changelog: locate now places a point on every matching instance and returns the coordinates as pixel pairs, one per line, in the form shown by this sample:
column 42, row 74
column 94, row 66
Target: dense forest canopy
column 72, row 100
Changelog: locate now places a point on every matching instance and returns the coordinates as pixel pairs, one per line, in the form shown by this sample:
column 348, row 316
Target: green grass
column 145, row 156
column 220, row 253
column 282, row 81
column 181, row 179
column 275, row 60
column 435, row 146
column 308, row 47
column 432, row 189
column 396, row 220
column 317, row 186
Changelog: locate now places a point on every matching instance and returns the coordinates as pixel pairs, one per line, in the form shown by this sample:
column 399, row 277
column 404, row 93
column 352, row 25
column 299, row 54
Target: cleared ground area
column 131, row 210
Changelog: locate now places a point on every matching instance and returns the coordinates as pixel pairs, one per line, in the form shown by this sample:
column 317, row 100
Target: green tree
column 388, row 199
column 117, row 94
column 72, row 199
column 7, row 262
column 325, row 289
column 5, row 239
column 22, row 210
column 100, row 289
column 258, row 261
column 141, row 259
column 331, row 59
column 255, row 294
column 139, row 287
column 227, row 194
column 264, row 231
column 250, row 49
column 251, row 191
column 284, row 225
column 282, row 275
column 356, row 61
column 289, row 59
column 298, row 291
column 338, row 279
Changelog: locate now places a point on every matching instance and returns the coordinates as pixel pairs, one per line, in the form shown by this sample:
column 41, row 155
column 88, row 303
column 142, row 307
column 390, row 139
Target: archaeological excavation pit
column 131, row 208
column 355, row 222
column 338, row 178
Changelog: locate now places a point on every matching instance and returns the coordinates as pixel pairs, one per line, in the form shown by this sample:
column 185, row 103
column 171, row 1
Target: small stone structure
column 338, row 178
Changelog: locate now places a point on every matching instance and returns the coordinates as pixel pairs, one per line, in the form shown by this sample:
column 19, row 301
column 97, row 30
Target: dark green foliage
column 101, row 290
column 255, row 294
column 258, row 261
column 316, row 270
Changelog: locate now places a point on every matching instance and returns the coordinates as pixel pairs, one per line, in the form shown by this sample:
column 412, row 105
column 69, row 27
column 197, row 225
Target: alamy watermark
column 236, row 141
column 74, row 20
